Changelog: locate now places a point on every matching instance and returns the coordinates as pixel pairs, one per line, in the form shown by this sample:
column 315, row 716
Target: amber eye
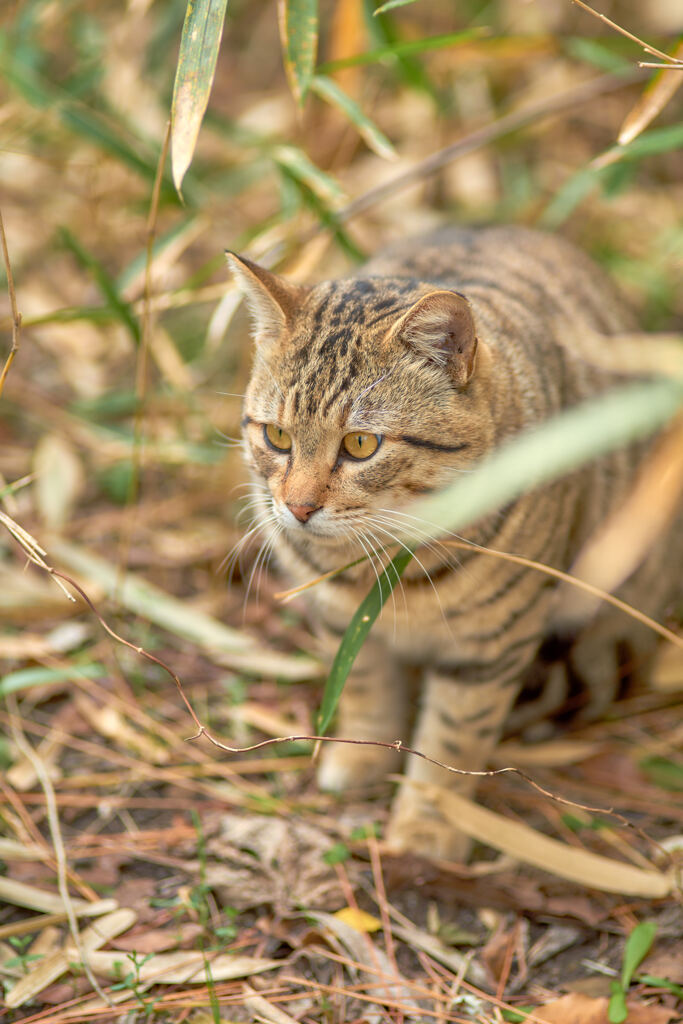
column 277, row 437
column 360, row 446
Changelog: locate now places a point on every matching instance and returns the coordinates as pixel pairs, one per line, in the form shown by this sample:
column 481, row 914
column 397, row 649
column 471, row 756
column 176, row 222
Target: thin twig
column 16, row 315
column 624, row 32
column 551, row 106
column 31, row 547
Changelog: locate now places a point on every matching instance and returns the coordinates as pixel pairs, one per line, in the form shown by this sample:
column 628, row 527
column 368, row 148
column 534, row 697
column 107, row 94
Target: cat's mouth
column 323, row 528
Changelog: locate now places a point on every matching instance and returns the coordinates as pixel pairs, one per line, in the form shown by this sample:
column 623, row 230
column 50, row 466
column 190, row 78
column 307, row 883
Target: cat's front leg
column 373, row 706
column 459, row 724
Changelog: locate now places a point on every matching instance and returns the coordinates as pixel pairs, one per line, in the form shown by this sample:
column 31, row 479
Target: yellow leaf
column 358, row 919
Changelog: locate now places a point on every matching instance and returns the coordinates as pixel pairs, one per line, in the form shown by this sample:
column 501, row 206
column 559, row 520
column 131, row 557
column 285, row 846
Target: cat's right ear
column 272, row 301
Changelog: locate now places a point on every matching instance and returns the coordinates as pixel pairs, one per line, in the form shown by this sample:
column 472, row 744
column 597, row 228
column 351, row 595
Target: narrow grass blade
column 96, row 127
column 376, row 140
column 199, row 46
column 303, row 169
column 652, row 143
column 119, row 307
column 391, row 4
column 407, row 48
column 355, row 635
column 25, row 678
column 299, row 34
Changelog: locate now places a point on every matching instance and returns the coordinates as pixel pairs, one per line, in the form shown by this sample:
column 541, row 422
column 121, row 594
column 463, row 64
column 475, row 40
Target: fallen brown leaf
column 580, row 1009
column 157, row 940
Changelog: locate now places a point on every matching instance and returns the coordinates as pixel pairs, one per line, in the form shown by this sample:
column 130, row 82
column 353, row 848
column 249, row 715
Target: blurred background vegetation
column 134, row 350
column 117, row 414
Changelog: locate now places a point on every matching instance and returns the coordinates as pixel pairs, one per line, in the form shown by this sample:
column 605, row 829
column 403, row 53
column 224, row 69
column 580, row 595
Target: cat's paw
column 419, row 829
column 344, row 767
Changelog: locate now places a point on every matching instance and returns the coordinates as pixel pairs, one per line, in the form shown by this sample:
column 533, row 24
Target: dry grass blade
column 23, row 895
column 532, row 847
column 16, row 315
column 53, row 966
column 367, row 955
column 567, row 578
column 58, row 843
column 183, row 966
column 180, row 618
column 655, row 97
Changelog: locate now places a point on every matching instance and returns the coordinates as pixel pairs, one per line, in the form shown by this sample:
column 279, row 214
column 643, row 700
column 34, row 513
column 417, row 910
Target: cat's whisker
column 389, row 533
column 369, row 538
column 260, row 561
column 233, row 556
column 396, row 583
column 355, row 535
column 427, row 540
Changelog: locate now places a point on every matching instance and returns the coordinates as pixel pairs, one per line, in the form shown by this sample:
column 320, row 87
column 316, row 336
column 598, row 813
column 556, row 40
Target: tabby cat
column 369, row 391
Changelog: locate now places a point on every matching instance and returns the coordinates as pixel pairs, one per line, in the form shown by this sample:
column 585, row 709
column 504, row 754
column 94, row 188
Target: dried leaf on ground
column 576, row 1008
column 272, row 860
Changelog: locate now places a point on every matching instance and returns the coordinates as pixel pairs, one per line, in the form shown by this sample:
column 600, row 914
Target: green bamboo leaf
column 300, row 167
column 391, row 4
column 405, row 49
column 299, row 35
column 25, row 678
column 376, row 140
column 670, row 986
column 199, row 45
column 638, row 946
column 355, row 635
column 324, row 213
column 105, row 282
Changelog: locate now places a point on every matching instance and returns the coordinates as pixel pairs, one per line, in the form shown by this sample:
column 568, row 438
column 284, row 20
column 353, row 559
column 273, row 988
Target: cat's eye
column 277, row 437
column 359, row 445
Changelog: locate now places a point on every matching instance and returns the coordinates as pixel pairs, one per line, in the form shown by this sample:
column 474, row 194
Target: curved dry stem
column 530, row 563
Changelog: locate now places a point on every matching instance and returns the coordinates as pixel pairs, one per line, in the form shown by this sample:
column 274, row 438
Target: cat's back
column 509, row 271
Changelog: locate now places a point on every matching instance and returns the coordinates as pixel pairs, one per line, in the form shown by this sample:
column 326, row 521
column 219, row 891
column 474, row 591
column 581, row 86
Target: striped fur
column 443, row 347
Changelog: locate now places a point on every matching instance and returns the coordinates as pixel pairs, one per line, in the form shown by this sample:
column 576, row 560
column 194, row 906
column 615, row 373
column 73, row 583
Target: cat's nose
column 302, row 512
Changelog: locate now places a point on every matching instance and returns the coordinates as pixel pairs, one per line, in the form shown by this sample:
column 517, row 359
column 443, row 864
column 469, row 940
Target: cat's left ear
column 273, row 301
column 440, row 327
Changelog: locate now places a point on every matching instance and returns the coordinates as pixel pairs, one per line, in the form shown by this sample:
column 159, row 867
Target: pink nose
column 302, row 512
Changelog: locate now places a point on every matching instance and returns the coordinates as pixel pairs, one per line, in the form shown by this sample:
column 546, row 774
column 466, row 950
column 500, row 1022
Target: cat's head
column 364, row 394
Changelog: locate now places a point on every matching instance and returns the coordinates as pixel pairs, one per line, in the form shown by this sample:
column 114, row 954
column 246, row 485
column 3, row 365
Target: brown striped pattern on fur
column 443, row 347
